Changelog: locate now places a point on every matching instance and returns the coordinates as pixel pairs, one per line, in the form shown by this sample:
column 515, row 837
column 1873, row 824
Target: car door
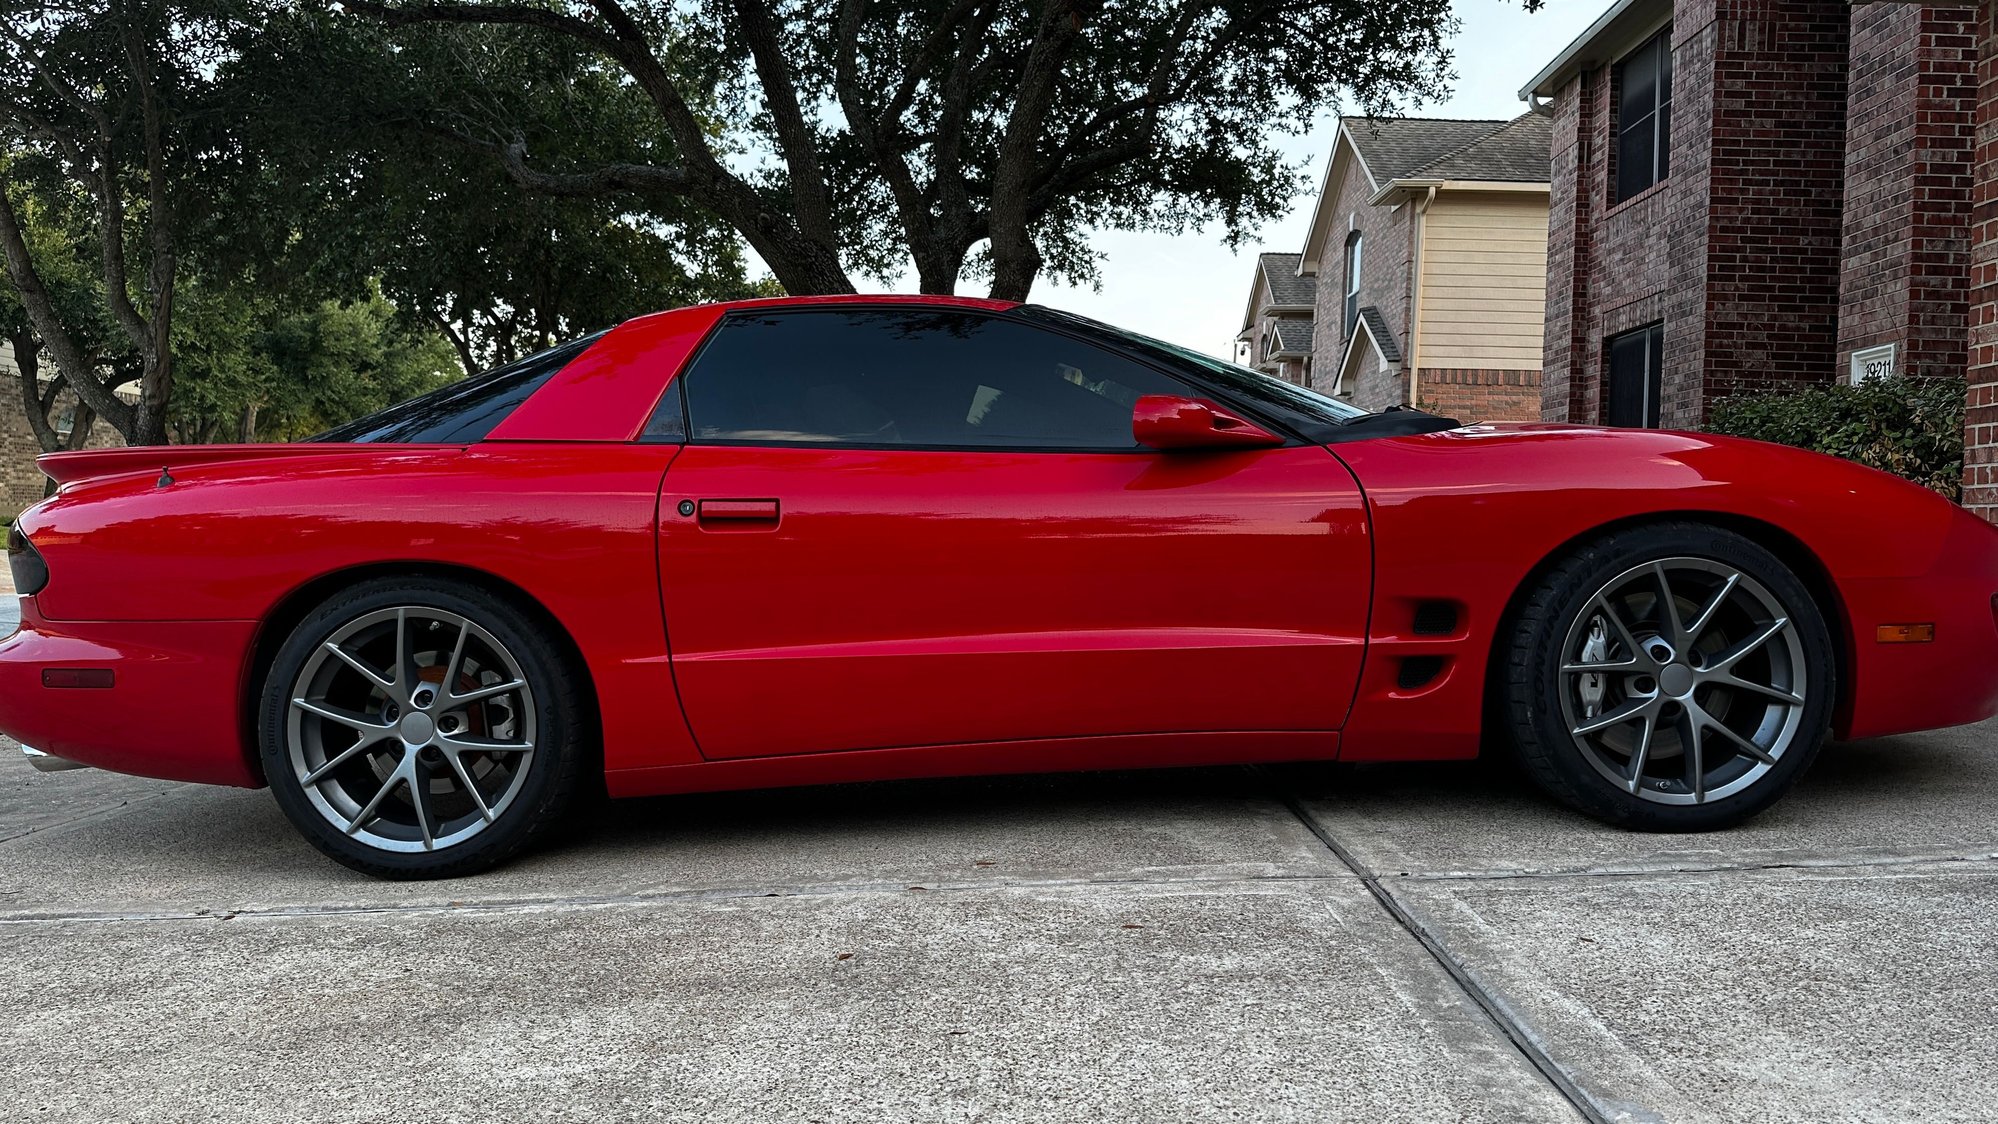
column 910, row 525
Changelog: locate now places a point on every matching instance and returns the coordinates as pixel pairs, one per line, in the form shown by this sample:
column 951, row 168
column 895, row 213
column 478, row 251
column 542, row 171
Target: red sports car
column 804, row 541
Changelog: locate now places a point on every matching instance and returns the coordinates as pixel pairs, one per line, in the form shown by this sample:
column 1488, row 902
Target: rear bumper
column 1950, row 681
column 174, row 708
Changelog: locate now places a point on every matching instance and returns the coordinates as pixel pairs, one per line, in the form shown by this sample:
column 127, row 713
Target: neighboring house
column 21, row 483
column 1276, row 327
column 1429, row 246
column 1747, row 195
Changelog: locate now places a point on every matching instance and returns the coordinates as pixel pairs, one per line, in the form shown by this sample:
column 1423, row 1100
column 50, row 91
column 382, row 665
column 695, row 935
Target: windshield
column 1254, row 385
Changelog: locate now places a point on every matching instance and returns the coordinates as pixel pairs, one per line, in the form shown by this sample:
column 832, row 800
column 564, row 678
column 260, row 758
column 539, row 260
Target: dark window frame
column 1643, row 128
column 1651, row 353
column 1355, row 259
column 677, row 398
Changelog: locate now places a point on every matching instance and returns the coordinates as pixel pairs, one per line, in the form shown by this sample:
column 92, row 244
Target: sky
column 1191, row 290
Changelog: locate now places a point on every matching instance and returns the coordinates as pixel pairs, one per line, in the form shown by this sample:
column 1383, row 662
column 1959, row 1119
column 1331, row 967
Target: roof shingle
column 1293, row 337
column 1512, row 151
column 1286, row 287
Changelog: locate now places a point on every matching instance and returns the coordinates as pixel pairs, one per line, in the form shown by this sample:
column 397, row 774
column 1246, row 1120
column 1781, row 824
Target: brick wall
column 21, row 483
column 1637, row 261
column 1570, row 210
column 1385, row 260
column 1479, row 395
column 1776, row 184
column 1910, row 119
column 1736, row 250
column 1980, row 473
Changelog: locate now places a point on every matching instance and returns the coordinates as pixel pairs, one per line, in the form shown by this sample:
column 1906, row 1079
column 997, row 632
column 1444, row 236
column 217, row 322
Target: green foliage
column 970, row 139
column 1912, row 428
column 255, row 368
column 346, row 180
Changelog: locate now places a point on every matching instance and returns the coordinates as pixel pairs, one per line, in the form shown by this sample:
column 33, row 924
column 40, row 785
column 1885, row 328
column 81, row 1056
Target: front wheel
column 421, row 729
column 1676, row 677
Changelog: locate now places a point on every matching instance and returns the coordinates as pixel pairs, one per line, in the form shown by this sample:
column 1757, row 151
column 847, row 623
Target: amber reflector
column 1905, row 633
column 78, row 677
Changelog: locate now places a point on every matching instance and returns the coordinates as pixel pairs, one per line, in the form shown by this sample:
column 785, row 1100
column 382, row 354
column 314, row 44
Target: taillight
column 30, row 572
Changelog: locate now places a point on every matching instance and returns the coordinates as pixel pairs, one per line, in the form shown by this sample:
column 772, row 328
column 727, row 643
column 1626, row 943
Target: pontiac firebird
column 806, row 541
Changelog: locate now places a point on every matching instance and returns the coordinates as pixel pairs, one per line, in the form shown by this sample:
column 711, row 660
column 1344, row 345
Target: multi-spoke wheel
column 420, row 729
column 1675, row 677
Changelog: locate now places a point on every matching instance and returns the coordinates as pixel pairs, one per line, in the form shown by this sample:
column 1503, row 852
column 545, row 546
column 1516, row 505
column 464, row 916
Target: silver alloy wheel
column 411, row 728
column 1683, row 681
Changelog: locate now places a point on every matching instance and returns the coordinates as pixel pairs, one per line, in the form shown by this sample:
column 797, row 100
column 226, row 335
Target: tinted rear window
column 465, row 411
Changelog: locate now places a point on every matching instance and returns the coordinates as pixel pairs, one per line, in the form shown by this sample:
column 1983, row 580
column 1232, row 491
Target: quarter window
column 917, row 377
column 1634, row 360
column 1643, row 116
column 465, row 411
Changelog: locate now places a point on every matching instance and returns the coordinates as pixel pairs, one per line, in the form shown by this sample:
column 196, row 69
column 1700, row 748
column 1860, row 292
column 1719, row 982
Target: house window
column 1352, row 281
column 1643, row 116
column 1631, row 398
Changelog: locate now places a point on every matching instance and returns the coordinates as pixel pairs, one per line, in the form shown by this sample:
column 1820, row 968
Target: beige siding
column 1484, row 280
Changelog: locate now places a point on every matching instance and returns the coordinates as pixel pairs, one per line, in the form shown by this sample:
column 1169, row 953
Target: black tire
column 1539, row 700
column 542, row 790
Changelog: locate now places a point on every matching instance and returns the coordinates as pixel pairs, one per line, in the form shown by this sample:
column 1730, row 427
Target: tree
column 258, row 367
column 349, row 180
column 972, row 136
column 50, row 232
column 95, row 101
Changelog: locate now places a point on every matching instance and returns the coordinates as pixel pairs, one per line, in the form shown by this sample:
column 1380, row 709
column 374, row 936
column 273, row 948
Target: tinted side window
column 465, row 411
column 920, row 377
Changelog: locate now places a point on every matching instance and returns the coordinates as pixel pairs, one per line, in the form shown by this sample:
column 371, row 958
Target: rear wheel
column 1672, row 678
column 421, row 729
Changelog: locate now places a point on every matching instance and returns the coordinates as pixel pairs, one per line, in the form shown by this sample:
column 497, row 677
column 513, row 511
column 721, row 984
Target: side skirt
column 1047, row 755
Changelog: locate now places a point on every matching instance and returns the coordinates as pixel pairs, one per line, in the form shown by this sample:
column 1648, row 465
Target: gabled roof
column 1394, row 148
column 1373, row 330
column 1286, row 287
column 1377, row 326
column 1515, row 152
column 1293, row 337
column 1428, row 151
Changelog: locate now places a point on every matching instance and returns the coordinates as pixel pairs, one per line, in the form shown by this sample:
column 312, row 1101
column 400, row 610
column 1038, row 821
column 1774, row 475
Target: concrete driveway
column 1310, row 943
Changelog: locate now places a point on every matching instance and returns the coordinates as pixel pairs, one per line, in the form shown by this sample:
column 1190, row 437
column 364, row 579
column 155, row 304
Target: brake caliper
column 1594, row 650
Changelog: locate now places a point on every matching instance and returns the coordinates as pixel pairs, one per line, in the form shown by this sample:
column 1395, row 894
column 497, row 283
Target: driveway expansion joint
column 1828, row 863
column 1499, row 1012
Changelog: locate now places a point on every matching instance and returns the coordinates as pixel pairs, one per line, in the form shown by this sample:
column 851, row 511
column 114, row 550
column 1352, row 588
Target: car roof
column 944, row 300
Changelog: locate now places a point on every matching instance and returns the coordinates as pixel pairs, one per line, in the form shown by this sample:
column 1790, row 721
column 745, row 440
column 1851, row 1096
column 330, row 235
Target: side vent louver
column 1418, row 671
column 1435, row 618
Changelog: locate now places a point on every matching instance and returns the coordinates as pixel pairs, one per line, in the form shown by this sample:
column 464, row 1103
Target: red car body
column 829, row 614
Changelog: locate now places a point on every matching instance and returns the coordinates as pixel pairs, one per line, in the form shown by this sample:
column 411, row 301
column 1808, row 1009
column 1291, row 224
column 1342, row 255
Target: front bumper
column 174, row 710
column 1950, row 681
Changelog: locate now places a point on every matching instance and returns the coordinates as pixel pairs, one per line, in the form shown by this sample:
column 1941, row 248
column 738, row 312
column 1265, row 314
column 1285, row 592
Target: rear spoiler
column 89, row 464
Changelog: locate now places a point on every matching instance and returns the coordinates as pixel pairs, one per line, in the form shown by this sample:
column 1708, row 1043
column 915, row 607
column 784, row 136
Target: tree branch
column 70, row 359
column 795, row 143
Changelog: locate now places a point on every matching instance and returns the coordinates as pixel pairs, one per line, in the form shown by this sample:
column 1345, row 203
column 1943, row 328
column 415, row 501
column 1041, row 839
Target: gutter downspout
column 1415, row 312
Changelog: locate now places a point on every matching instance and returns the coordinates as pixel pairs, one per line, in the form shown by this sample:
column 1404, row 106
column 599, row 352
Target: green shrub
column 1912, row 428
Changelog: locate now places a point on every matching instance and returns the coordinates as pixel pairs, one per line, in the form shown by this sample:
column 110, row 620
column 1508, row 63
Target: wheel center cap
column 416, row 728
column 1675, row 679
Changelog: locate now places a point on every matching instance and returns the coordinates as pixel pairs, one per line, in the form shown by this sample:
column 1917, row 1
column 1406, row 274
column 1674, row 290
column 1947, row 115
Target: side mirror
column 1169, row 422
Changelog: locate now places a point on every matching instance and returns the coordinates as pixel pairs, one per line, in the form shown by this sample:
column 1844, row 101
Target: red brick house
column 1757, row 192
column 1427, row 254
